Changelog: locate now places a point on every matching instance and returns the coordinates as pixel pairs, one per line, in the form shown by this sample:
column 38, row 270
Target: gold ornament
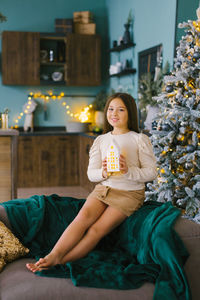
column 196, row 24
column 162, row 171
column 198, row 42
column 180, row 137
column 191, row 83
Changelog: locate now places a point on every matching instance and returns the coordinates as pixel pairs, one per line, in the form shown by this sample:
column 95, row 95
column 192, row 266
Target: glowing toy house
column 113, row 154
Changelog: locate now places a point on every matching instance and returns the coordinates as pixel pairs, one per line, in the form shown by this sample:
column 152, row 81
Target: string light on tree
column 181, row 112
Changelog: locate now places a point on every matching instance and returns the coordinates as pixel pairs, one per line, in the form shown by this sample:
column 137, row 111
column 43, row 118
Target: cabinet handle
column 87, row 149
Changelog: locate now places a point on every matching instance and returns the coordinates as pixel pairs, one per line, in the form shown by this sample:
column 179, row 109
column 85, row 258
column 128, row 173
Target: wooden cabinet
column 23, row 62
column 48, row 161
column 8, row 165
column 21, row 58
column 85, row 145
column 83, row 60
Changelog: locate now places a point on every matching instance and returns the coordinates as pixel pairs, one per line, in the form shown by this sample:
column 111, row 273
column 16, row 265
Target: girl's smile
column 117, row 116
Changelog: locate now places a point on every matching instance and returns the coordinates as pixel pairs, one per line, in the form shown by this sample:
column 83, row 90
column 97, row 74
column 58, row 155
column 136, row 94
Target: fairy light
column 83, row 116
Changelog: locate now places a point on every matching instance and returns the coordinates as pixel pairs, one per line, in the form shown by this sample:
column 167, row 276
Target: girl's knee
column 96, row 231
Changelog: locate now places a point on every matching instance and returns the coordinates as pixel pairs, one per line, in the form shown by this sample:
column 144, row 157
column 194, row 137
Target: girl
column 116, row 197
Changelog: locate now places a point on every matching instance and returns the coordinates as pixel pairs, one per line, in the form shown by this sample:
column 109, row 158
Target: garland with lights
column 176, row 139
column 82, row 116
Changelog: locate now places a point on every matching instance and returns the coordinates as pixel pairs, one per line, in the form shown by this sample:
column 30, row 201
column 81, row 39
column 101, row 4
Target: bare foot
column 44, row 263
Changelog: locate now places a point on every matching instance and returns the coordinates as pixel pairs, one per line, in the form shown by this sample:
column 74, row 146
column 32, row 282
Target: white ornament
column 28, row 109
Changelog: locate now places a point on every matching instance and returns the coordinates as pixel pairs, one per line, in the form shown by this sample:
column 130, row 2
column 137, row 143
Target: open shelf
column 124, row 72
column 122, row 47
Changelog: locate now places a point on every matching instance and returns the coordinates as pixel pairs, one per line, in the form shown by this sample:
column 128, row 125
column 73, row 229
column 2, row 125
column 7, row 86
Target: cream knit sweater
column 137, row 149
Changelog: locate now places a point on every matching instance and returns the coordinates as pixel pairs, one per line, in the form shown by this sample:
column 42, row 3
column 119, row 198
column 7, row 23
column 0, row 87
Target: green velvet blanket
column 145, row 248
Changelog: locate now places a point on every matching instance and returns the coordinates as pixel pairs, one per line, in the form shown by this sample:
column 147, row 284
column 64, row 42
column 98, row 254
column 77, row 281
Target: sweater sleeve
column 147, row 170
column 94, row 171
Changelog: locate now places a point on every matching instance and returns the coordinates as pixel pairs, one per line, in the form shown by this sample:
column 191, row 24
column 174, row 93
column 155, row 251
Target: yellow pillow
column 10, row 246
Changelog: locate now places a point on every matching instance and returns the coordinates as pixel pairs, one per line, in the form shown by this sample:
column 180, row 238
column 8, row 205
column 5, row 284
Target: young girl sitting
column 118, row 194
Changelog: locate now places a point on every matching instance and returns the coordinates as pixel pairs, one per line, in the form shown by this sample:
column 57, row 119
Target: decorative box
column 83, row 17
column 85, row 28
column 64, row 25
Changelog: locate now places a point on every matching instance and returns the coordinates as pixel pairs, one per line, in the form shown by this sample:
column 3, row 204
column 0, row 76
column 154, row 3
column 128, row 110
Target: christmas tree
column 176, row 141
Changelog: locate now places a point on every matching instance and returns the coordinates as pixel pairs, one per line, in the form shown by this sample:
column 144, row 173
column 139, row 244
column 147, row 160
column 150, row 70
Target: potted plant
column 149, row 87
column 98, row 107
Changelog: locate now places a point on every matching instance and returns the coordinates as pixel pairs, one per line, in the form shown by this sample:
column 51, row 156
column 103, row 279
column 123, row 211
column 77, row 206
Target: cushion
column 10, row 246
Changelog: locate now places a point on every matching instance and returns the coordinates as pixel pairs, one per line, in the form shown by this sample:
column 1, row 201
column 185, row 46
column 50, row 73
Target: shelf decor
column 127, row 36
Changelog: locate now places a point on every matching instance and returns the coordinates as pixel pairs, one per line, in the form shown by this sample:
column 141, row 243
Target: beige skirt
column 126, row 201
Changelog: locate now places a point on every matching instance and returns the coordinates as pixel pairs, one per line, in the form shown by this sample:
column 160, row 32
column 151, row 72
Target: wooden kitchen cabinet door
column 20, row 58
column 27, row 162
column 48, row 161
column 83, row 63
column 68, row 160
column 58, row 161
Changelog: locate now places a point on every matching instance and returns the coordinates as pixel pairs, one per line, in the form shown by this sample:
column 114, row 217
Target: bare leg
column 110, row 219
column 90, row 212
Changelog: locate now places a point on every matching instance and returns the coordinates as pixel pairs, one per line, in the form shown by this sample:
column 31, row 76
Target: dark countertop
column 52, row 131
column 8, row 132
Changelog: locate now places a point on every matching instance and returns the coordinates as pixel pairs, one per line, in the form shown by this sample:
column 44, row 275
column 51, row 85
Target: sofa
column 17, row 283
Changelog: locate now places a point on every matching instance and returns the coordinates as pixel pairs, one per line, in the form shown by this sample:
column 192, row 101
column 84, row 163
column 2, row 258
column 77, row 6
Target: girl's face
column 117, row 114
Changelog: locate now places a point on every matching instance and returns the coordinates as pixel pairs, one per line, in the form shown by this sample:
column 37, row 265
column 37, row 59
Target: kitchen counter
column 8, row 132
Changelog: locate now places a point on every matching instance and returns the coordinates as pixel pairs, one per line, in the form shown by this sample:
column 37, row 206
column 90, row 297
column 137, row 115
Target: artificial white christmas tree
column 176, row 141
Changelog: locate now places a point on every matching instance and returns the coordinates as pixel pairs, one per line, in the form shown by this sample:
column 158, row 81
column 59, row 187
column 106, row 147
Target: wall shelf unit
column 127, row 70
column 122, row 47
column 124, row 72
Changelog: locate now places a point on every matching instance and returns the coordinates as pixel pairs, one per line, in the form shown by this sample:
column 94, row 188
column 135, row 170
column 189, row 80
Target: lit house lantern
column 113, row 153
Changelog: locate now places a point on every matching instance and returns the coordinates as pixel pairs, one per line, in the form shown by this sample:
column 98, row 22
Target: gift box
column 64, row 25
column 85, row 28
column 83, row 17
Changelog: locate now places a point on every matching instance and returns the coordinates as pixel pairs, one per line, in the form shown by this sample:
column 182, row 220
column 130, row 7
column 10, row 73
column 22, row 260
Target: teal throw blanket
column 144, row 248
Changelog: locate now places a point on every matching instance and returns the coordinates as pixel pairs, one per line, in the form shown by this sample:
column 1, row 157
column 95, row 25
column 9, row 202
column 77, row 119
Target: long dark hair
column 130, row 104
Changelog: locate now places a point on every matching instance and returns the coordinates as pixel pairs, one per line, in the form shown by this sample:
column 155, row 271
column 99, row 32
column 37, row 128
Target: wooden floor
column 69, row 191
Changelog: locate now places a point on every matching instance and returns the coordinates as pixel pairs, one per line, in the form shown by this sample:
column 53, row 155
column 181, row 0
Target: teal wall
column 39, row 16
column 186, row 10
column 154, row 23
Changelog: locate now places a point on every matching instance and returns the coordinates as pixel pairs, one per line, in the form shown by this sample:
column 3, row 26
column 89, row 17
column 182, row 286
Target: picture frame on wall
column 150, row 63
column 148, row 60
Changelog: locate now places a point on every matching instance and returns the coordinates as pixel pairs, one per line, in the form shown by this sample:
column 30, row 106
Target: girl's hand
column 104, row 165
column 122, row 164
